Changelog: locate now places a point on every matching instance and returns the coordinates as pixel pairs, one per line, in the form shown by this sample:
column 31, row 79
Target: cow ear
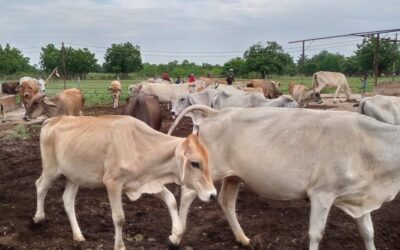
column 50, row 103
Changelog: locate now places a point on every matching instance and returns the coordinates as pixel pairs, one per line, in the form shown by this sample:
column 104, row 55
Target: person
column 178, row 80
column 42, row 85
column 166, row 77
column 191, row 78
column 230, row 77
column 192, row 83
column 364, row 83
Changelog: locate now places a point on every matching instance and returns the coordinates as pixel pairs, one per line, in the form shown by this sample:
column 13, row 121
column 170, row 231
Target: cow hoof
column 38, row 218
column 79, row 238
column 172, row 246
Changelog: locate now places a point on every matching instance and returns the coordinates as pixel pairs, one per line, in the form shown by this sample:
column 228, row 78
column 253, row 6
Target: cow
column 270, row 88
column 129, row 157
column 28, row 88
column 10, row 88
column 302, row 95
column 230, row 97
column 358, row 171
column 322, row 79
column 166, row 93
column 145, row 108
column 68, row 102
column 115, row 90
column 382, row 108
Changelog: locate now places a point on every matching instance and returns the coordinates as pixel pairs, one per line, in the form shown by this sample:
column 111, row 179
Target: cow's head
column 38, row 105
column 115, row 94
column 192, row 158
column 184, row 101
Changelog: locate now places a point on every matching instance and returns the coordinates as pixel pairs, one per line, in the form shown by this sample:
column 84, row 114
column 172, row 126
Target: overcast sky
column 210, row 31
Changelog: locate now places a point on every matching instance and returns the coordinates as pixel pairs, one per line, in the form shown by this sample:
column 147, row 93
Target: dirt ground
column 270, row 224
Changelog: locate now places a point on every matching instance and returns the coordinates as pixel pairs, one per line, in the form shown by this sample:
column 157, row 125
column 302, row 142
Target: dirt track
column 270, row 224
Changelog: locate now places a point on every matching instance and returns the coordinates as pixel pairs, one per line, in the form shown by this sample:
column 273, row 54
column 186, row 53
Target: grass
column 96, row 93
column 20, row 132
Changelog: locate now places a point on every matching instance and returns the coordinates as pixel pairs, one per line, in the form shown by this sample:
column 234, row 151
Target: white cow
column 382, row 108
column 273, row 152
column 124, row 155
column 230, row 97
column 322, row 79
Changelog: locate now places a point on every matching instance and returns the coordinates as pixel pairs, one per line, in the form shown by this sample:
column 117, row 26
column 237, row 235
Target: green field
column 96, row 93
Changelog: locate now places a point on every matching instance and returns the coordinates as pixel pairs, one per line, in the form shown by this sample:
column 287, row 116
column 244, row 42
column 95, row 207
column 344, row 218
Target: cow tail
column 315, row 81
column 204, row 112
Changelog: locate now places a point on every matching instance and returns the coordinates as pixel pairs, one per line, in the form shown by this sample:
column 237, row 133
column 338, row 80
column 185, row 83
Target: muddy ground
column 270, row 224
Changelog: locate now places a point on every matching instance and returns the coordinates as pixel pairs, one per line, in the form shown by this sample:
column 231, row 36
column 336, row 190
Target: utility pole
column 394, row 58
column 376, row 60
column 63, row 62
column 303, row 59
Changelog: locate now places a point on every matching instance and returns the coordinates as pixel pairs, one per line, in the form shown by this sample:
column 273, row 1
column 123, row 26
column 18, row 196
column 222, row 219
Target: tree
column 238, row 65
column 365, row 55
column 12, row 61
column 123, row 58
column 267, row 59
column 80, row 61
column 50, row 57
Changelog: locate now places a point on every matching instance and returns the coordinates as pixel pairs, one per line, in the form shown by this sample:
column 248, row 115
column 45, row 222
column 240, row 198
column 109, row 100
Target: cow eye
column 182, row 100
column 195, row 164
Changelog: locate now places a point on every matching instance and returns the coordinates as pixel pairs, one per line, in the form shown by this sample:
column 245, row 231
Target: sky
column 202, row 31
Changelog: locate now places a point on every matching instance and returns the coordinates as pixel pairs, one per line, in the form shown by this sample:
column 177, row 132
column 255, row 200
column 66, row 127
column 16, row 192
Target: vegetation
column 259, row 60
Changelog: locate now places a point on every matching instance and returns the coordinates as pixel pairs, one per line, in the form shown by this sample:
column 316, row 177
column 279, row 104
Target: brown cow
column 68, row 102
column 10, row 88
column 270, row 88
column 145, row 108
column 28, row 89
column 302, row 95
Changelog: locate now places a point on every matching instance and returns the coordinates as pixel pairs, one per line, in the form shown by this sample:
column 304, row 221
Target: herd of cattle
column 241, row 134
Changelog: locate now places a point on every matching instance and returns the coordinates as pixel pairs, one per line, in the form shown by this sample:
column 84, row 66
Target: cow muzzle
column 208, row 195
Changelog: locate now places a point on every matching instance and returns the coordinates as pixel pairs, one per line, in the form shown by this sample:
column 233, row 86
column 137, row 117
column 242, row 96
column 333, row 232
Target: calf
column 29, row 88
column 145, row 108
column 68, row 102
column 302, row 95
column 115, row 89
column 124, row 155
column 10, row 88
column 269, row 88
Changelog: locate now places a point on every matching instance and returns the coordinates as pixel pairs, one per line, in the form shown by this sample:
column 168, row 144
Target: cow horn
column 196, row 112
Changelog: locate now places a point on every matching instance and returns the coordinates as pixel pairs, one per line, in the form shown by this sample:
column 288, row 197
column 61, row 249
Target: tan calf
column 115, row 89
column 124, row 155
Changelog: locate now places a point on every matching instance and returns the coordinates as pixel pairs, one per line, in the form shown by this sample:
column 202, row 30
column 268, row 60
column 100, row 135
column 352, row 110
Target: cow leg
column 114, row 190
column 227, row 200
column 336, row 93
column 69, row 205
column 366, row 230
column 187, row 197
column 43, row 185
column 170, row 201
column 320, row 206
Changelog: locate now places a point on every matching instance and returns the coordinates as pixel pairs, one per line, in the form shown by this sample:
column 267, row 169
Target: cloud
column 183, row 25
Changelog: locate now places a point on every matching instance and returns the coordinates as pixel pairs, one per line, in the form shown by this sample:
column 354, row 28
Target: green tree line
column 259, row 60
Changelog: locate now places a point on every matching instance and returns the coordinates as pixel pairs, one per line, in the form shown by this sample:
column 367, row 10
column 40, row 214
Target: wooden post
column 376, row 60
column 394, row 58
column 63, row 62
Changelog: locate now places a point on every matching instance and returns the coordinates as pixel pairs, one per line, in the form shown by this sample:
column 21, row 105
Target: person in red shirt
column 191, row 78
column 166, row 77
column 192, row 82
